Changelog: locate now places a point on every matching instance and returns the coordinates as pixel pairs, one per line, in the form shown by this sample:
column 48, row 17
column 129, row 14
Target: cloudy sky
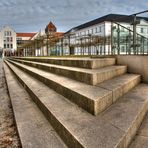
column 31, row 15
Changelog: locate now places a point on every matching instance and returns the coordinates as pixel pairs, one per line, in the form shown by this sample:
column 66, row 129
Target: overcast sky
column 31, row 15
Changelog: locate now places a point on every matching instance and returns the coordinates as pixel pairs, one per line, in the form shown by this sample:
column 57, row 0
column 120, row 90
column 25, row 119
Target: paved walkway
column 141, row 139
column 8, row 135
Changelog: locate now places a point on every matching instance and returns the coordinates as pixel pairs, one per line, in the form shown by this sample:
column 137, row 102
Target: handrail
column 135, row 14
column 129, row 29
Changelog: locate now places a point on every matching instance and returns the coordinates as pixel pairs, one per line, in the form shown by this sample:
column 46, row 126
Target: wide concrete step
column 90, row 63
column 33, row 128
column 91, row 98
column 121, row 85
column 113, row 128
column 141, row 138
column 88, row 76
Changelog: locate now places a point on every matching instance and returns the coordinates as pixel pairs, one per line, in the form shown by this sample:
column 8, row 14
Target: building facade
column 8, row 40
column 23, row 38
column 45, row 42
column 100, row 36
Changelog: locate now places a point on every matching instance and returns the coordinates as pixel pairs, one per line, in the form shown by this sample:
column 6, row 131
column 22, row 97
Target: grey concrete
column 136, row 64
column 91, row 98
column 140, row 142
column 74, row 62
column 118, row 115
column 121, row 84
column 89, row 76
column 114, row 128
column 141, row 139
column 8, row 135
column 33, row 128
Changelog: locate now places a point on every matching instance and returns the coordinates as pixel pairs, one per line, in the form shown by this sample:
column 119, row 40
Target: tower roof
column 50, row 28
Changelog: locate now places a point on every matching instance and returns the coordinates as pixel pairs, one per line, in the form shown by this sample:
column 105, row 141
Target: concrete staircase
column 88, row 102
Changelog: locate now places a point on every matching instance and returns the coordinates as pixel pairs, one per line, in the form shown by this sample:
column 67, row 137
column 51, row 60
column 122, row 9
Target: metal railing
column 123, row 39
column 127, row 41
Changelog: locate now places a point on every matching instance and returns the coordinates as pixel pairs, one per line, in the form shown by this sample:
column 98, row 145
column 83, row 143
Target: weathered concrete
column 121, row 84
column 136, row 64
column 33, row 128
column 89, row 76
column 74, row 62
column 118, row 115
column 141, row 139
column 91, row 98
column 114, row 128
column 8, row 135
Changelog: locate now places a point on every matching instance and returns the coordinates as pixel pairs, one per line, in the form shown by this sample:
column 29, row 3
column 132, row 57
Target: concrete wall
column 136, row 64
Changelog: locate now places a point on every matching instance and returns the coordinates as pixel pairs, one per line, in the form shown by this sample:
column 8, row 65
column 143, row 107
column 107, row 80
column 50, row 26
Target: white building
column 8, row 39
column 78, row 38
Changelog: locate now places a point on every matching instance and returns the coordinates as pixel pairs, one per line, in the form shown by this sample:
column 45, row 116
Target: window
column 4, row 45
column 96, row 30
column 142, row 30
column 11, row 39
column 7, row 45
column 11, row 45
column 122, row 49
column 4, row 39
column 7, row 39
column 84, row 32
column 19, row 38
column 99, row 29
column 5, row 33
column 122, row 29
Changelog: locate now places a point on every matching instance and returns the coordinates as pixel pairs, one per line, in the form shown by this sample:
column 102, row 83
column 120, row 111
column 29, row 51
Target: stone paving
column 8, row 132
column 141, row 139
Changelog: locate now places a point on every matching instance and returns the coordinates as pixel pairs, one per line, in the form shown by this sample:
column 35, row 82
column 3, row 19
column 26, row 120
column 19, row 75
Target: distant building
column 8, row 39
column 23, row 38
column 81, row 39
column 41, row 42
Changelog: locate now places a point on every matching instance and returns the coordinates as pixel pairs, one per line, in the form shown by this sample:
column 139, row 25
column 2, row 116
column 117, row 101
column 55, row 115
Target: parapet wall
column 136, row 64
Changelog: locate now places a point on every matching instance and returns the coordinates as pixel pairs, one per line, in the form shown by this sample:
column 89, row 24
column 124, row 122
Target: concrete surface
column 141, row 139
column 91, row 98
column 33, row 128
column 136, row 64
column 89, row 76
column 114, row 128
column 8, row 132
column 121, row 84
column 74, row 62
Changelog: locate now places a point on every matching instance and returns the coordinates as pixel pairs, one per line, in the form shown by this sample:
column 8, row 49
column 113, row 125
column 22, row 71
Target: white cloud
column 31, row 15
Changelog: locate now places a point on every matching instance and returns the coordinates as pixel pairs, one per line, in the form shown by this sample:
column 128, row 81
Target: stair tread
column 90, row 63
column 121, row 84
column 67, row 58
column 105, row 130
column 141, row 138
column 82, row 70
column 33, row 128
column 96, row 98
column 92, row 92
column 118, row 81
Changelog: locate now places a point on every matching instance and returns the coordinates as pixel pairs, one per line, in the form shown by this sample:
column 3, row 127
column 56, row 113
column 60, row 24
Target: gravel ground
column 8, row 132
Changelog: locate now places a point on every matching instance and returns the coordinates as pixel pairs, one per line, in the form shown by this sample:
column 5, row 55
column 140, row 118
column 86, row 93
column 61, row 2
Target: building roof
column 25, row 34
column 50, row 28
column 59, row 33
column 109, row 17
